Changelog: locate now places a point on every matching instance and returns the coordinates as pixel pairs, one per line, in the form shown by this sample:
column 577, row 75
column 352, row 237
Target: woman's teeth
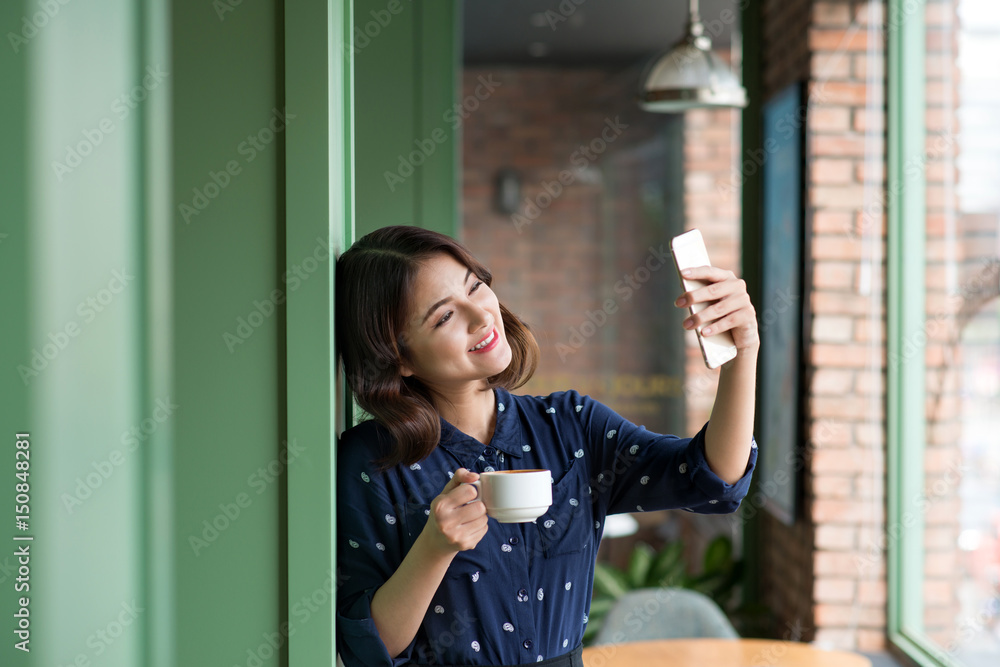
column 485, row 342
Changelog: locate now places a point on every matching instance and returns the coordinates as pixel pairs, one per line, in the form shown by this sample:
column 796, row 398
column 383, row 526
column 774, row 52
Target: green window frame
column 905, row 413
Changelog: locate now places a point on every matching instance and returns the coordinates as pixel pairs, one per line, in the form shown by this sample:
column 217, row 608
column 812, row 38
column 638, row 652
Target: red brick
column 865, row 171
column 833, row 275
column 834, row 488
column 829, row 119
column 869, row 435
column 831, row 172
column 849, row 93
column 834, row 614
column 831, row 381
column 832, row 222
column 831, row 14
column 829, row 590
column 866, row 13
column 827, row 510
column 940, row 564
column 837, row 146
column 838, row 461
column 869, row 120
column 829, row 433
column 831, row 66
column 833, row 39
column 836, row 247
column 937, row 592
column 864, row 65
column 843, row 356
column 871, row 592
column 834, row 538
column 868, row 384
column 840, row 303
column 844, row 563
column 832, row 329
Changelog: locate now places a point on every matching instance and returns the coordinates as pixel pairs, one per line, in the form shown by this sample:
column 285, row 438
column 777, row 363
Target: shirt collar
column 506, row 433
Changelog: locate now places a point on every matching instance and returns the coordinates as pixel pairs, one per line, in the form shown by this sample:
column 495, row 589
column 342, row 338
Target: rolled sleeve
column 636, row 470
column 716, row 495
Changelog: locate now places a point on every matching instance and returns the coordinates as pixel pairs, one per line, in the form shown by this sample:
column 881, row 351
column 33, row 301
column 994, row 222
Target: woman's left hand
column 731, row 310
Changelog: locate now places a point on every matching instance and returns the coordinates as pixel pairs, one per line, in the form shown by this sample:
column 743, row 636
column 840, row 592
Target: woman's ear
column 405, row 370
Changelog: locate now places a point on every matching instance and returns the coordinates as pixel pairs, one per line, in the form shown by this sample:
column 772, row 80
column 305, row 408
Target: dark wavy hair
column 374, row 285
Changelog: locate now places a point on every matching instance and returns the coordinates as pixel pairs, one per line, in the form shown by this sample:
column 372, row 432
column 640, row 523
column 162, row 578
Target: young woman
column 428, row 350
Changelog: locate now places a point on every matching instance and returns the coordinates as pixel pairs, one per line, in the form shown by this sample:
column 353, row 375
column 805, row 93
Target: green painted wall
column 407, row 85
column 147, row 271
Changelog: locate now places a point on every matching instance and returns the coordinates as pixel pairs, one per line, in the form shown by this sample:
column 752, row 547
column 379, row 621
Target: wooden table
column 718, row 653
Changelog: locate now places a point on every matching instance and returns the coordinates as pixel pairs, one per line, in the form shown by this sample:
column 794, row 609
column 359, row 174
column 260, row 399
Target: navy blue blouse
column 523, row 593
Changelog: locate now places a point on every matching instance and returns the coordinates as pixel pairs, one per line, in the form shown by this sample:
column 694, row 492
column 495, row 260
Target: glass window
column 949, row 591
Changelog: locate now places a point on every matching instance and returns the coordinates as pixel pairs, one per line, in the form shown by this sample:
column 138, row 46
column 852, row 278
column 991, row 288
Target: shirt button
column 490, row 451
column 527, row 643
column 513, row 540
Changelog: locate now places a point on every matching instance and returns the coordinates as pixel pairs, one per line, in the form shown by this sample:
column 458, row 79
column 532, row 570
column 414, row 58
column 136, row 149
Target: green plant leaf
column 639, row 564
column 718, row 555
column 666, row 565
column 610, row 581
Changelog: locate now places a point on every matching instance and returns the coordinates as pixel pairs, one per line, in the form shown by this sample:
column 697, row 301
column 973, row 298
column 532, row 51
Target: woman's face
column 452, row 312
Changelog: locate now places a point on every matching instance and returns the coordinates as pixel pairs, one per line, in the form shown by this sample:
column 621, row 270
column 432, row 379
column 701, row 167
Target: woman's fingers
column 729, row 306
column 720, row 309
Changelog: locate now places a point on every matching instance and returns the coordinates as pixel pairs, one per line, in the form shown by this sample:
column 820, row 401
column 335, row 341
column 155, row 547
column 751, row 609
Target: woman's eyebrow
column 444, row 300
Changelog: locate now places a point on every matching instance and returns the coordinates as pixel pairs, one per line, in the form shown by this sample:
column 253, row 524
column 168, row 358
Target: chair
column 663, row 613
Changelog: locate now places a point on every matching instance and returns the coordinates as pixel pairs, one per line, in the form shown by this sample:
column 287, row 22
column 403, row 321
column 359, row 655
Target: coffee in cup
column 515, row 496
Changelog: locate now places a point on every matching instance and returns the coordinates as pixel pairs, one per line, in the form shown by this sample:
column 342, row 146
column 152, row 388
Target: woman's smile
column 488, row 343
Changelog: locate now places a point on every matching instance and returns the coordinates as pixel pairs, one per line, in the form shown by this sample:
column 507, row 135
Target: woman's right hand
column 456, row 523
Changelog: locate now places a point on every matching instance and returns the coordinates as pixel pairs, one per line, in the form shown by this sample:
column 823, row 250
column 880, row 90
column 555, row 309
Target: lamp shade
column 689, row 76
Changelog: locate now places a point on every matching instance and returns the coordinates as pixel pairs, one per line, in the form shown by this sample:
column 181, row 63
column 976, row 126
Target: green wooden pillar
column 320, row 205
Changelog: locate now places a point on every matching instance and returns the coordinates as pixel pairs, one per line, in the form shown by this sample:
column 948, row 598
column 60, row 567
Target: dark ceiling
column 594, row 32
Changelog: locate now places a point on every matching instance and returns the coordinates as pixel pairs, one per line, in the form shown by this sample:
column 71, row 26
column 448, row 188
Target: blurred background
column 178, row 175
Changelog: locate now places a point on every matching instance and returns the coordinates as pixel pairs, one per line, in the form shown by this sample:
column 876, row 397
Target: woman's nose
column 481, row 319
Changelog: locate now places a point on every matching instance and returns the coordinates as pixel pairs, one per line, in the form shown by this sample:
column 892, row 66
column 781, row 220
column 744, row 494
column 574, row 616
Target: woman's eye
column 444, row 319
column 476, row 286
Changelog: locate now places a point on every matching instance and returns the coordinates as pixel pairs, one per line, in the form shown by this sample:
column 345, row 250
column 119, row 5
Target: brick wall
column 824, row 576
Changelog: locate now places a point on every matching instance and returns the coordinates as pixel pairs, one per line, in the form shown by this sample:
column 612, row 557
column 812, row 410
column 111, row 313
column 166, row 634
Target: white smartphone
column 689, row 251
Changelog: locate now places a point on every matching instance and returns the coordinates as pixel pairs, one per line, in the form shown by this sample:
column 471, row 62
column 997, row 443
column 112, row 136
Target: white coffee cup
column 515, row 496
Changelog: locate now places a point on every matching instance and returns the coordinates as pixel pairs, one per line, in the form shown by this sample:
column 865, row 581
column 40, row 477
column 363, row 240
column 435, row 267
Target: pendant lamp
column 689, row 76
